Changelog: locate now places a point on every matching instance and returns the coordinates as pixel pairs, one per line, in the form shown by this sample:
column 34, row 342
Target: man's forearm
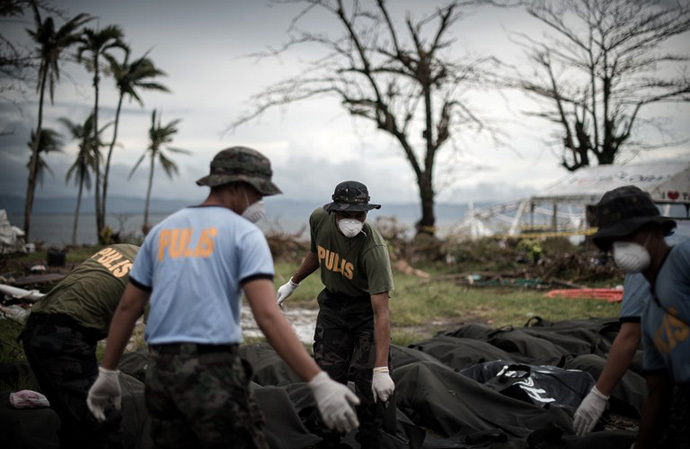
column 122, row 325
column 283, row 339
column 382, row 328
column 277, row 329
column 619, row 358
column 307, row 267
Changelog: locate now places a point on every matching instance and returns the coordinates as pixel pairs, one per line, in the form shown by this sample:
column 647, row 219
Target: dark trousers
column 198, row 396
column 676, row 434
column 62, row 356
column 344, row 346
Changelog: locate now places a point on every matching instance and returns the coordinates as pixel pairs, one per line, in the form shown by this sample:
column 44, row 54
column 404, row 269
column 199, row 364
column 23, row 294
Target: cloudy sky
column 313, row 145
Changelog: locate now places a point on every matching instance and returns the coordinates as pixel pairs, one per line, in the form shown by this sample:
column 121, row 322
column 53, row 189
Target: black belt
column 57, row 319
column 64, row 320
column 341, row 297
column 199, row 348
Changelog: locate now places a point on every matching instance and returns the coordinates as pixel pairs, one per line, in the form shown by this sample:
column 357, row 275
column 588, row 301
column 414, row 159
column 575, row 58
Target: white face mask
column 350, row 227
column 631, row 257
column 255, row 212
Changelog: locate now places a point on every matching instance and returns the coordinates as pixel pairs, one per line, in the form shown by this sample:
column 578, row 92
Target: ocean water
column 56, row 229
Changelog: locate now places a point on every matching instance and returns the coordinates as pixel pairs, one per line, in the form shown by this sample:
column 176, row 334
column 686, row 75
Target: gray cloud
column 313, row 145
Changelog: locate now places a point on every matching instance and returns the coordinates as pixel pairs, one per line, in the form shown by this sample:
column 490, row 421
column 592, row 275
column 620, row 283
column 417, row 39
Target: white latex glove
column 105, row 389
column 589, row 412
column 286, row 290
column 336, row 403
column 382, row 385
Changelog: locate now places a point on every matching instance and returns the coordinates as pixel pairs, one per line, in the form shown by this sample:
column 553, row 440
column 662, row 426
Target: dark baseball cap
column 350, row 196
column 624, row 210
column 241, row 164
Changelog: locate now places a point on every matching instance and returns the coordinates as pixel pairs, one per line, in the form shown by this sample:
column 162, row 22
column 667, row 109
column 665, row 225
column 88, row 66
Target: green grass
column 421, row 307
column 416, row 302
column 11, row 355
column 10, row 349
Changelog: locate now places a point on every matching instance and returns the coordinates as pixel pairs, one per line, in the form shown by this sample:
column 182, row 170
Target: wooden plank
column 39, row 279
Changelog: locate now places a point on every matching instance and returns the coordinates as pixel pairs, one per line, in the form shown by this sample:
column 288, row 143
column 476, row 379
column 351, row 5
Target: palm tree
column 96, row 44
column 85, row 162
column 49, row 142
column 50, row 45
column 130, row 77
column 158, row 136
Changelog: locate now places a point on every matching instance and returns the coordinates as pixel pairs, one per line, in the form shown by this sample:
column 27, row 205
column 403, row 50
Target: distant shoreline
column 55, row 229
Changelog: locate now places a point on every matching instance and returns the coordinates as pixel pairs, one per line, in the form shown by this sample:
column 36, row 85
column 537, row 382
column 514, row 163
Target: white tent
column 666, row 182
column 565, row 202
column 11, row 237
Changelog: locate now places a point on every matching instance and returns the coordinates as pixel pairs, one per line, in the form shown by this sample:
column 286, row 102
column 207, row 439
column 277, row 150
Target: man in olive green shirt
column 352, row 328
column 60, row 339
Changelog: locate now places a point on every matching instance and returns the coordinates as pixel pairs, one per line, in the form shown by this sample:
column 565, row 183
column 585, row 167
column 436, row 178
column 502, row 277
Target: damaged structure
column 11, row 237
column 565, row 207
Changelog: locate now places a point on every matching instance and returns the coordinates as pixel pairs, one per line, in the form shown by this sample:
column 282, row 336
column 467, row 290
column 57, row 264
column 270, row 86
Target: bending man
column 60, row 339
column 352, row 327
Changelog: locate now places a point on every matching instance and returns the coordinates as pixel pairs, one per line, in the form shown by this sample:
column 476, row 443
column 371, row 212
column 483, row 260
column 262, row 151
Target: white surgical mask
column 631, row 257
column 255, row 212
column 350, row 227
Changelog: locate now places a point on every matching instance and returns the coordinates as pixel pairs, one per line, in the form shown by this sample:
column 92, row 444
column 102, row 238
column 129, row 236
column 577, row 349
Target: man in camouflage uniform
column 60, row 339
column 193, row 266
column 352, row 328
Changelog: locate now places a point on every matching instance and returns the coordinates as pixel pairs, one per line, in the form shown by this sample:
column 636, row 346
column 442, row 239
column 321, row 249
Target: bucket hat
column 241, row 164
column 350, row 196
column 624, row 210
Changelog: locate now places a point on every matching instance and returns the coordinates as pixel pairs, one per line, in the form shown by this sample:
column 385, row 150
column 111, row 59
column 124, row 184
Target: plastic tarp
column 539, row 385
column 436, row 405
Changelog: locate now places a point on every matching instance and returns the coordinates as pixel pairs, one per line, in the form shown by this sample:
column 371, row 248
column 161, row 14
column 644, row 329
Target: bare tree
column 600, row 65
column 403, row 77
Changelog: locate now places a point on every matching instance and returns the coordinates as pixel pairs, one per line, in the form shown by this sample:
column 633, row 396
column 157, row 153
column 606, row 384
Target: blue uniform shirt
column 195, row 262
column 666, row 334
column 636, row 294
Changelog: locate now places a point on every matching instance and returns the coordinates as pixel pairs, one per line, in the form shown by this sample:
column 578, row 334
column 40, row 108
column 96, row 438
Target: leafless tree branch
column 399, row 75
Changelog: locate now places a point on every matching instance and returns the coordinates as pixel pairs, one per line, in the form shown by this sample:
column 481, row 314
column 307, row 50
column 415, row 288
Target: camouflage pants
column 676, row 433
column 344, row 345
column 62, row 356
column 199, row 397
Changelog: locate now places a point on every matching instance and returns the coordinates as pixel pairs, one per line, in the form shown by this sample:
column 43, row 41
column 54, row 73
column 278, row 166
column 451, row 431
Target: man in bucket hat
column 193, row 266
column 632, row 228
column 352, row 328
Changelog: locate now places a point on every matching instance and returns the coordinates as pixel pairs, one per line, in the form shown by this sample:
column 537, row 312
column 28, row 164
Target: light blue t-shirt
column 195, row 262
column 665, row 330
column 636, row 294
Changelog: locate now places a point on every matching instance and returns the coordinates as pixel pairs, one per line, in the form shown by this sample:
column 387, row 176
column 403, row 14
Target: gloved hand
column 589, row 412
column 382, row 385
column 336, row 403
column 105, row 389
column 286, row 290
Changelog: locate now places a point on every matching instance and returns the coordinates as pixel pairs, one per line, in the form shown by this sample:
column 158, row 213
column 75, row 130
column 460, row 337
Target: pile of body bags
column 471, row 387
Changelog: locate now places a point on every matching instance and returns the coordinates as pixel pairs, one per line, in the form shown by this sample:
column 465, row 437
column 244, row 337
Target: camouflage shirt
column 91, row 292
column 355, row 266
